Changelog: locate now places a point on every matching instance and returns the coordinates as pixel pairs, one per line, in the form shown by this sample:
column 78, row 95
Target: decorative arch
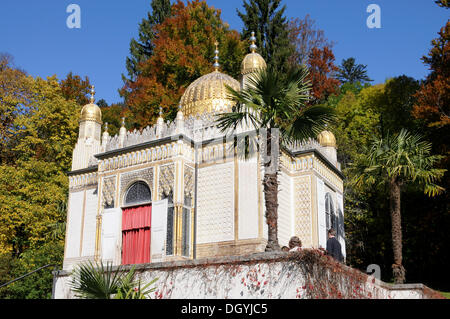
column 128, row 179
column 138, row 193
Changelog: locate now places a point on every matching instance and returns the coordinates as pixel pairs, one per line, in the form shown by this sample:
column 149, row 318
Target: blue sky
column 36, row 35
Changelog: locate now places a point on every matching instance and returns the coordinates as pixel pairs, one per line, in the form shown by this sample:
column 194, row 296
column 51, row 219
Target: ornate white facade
column 206, row 199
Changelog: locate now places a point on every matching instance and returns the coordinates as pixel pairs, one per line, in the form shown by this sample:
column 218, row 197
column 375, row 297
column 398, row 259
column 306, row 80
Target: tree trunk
column 396, row 220
column 271, row 200
column 270, row 184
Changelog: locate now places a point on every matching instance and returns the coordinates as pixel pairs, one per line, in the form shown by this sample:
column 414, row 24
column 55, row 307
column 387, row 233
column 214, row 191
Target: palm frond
column 404, row 156
column 277, row 101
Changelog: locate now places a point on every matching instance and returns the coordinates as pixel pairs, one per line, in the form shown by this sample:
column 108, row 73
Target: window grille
column 138, row 193
column 170, row 224
column 331, row 218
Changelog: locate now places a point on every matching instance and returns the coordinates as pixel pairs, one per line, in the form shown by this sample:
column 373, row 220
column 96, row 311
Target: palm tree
column 351, row 72
column 396, row 161
column 95, row 281
column 274, row 104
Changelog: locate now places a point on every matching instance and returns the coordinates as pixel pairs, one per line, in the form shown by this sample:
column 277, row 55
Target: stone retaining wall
column 261, row 276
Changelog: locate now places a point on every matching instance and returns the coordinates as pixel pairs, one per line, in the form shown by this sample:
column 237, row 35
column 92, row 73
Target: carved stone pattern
column 166, row 179
column 108, row 191
column 188, row 181
column 82, row 181
column 303, row 209
column 127, row 179
column 144, row 156
column 328, row 174
column 284, row 208
column 215, row 204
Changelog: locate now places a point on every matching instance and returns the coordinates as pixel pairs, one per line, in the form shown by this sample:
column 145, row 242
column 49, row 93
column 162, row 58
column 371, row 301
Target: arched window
column 331, row 219
column 138, row 193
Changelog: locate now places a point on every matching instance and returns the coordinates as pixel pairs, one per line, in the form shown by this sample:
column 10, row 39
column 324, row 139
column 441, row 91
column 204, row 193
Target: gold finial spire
column 123, row 121
column 92, row 94
column 160, row 111
column 106, row 127
column 253, row 46
column 216, row 58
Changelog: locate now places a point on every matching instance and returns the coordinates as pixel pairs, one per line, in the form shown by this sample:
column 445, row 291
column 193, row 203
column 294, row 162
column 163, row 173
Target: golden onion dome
column 327, row 139
column 91, row 111
column 252, row 61
column 208, row 93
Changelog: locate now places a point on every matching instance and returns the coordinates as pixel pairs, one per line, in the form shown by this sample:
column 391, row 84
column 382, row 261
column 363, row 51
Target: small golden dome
column 91, row 111
column 252, row 61
column 208, row 94
column 327, row 139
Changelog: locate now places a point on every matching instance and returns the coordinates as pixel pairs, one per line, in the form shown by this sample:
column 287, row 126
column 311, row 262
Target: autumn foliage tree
column 322, row 74
column 183, row 51
column 39, row 128
column 14, row 91
column 74, row 87
column 142, row 48
column 433, row 99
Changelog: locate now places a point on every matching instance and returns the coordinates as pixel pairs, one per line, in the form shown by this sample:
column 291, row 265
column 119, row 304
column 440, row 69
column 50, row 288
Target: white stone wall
column 248, row 199
column 73, row 232
column 81, row 227
column 258, row 276
column 89, row 224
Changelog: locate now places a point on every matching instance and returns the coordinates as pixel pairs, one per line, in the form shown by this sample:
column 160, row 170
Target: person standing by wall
column 333, row 246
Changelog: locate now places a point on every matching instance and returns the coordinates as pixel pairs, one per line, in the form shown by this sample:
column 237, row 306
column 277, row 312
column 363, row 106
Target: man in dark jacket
column 333, row 246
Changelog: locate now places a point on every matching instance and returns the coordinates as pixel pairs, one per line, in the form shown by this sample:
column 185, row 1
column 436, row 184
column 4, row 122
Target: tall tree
column 142, row 49
column 184, row 51
column 46, row 134
column 322, row 72
column 396, row 161
column 433, row 99
column 275, row 104
column 15, row 94
column 304, row 36
column 397, row 104
column 267, row 19
column 352, row 72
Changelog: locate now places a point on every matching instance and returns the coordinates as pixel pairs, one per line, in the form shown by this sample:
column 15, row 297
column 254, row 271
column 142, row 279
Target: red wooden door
column 136, row 230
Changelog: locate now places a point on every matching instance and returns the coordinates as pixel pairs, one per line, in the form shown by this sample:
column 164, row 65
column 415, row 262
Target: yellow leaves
column 34, row 184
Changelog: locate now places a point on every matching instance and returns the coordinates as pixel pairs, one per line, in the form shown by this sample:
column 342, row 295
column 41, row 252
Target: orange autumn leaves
column 322, row 71
column 184, row 51
column 433, row 99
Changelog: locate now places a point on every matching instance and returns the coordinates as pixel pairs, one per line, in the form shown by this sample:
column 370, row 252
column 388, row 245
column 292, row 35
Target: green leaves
column 350, row 72
column 97, row 281
column 275, row 100
column 267, row 19
column 404, row 157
